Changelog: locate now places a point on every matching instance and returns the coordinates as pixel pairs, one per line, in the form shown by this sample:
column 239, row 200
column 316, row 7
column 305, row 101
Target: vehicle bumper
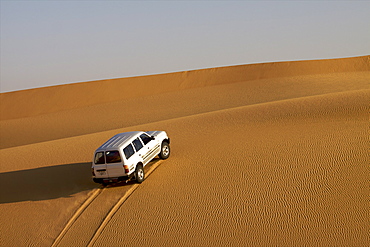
column 112, row 180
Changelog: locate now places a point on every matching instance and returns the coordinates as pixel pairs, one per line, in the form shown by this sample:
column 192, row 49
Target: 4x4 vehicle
column 124, row 156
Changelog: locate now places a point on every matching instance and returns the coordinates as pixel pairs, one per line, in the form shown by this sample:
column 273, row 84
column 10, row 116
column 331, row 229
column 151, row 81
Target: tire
column 165, row 151
column 139, row 174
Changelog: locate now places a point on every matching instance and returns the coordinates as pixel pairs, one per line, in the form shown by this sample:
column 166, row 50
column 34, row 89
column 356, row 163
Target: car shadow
column 51, row 182
column 45, row 183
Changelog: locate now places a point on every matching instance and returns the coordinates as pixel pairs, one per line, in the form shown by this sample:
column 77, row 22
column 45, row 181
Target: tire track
column 90, row 219
column 118, row 205
column 76, row 215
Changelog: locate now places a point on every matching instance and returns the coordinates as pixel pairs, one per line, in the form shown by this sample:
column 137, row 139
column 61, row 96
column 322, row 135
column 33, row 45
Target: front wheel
column 139, row 174
column 165, row 151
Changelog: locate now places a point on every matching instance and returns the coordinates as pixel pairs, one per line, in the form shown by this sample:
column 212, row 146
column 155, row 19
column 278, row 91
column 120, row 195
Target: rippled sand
column 269, row 154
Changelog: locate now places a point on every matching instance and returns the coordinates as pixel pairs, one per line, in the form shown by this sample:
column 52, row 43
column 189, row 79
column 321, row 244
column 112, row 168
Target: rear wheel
column 139, row 174
column 165, row 151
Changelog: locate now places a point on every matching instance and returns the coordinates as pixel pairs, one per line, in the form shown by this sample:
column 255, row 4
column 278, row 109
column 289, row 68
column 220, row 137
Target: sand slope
column 53, row 99
column 267, row 154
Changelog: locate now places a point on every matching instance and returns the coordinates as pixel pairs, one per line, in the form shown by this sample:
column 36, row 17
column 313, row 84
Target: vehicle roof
column 120, row 140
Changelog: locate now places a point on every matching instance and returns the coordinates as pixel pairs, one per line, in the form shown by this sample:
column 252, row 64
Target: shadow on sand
column 51, row 182
column 45, row 183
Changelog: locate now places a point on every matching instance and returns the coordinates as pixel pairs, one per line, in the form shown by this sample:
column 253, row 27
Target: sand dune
column 124, row 113
column 54, row 99
column 267, row 154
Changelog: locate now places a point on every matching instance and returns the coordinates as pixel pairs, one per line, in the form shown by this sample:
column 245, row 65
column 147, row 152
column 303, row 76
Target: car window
column 99, row 158
column 128, row 151
column 113, row 157
column 137, row 144
column 145, row 138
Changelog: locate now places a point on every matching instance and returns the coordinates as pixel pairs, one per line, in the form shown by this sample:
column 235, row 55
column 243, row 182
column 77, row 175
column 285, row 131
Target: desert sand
column 271, row 154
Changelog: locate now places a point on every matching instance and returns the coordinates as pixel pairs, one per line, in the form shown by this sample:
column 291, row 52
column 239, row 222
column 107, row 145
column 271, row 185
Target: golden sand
column 271, row 154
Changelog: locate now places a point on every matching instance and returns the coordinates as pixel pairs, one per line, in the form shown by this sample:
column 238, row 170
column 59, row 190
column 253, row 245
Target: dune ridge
column 351, row 105
column 124, row 113
column 57, row 98
column 279, row 161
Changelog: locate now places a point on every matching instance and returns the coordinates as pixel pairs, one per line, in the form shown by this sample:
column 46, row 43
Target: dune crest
column 39, row 101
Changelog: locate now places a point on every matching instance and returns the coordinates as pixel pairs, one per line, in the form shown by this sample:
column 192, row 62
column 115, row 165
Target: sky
column 44, row 43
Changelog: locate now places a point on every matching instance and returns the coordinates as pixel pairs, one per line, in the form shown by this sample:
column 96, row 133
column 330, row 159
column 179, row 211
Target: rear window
column 99, row 158
column 113, row 157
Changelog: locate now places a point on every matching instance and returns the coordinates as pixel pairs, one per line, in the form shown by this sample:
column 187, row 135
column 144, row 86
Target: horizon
column 172, row 72
column 81, row 41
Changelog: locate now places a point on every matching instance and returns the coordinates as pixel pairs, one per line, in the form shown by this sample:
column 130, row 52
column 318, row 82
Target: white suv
column 124, row 156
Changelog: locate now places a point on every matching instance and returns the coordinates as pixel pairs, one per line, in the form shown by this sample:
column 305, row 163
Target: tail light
column 126, row 169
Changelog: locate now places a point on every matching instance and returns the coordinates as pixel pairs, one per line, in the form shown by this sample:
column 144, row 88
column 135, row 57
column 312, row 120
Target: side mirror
column 152, row 138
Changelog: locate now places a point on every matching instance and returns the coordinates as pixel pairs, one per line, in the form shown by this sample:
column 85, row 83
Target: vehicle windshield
column 113, row 157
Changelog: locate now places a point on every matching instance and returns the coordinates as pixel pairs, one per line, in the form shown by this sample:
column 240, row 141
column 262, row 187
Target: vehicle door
column 114, row 163
column 151, row 147
column 139, row 148
column 131, row 159
column 100, row 167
